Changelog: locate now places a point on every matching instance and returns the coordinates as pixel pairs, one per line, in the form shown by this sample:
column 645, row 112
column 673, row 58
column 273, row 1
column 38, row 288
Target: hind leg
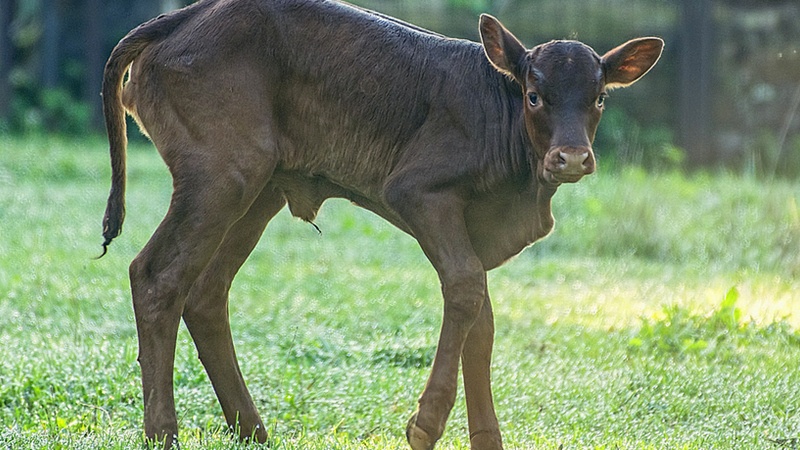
column 211, row 192
column 206, row 316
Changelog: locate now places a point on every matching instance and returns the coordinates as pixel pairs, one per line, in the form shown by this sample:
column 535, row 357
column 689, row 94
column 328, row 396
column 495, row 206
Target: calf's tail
column 123, row 55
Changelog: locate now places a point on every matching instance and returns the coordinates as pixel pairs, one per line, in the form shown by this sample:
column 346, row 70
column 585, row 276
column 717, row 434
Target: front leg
column 460, row 311
column 437, row 221
column 476, row 359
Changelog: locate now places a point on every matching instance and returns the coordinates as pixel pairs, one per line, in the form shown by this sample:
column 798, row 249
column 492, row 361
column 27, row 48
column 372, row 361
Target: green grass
column 663, row 313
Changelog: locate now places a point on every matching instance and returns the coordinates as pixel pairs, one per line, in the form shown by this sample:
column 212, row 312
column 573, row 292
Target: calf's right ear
column 503, row 49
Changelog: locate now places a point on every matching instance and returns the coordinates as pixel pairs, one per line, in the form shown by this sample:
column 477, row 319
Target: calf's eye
column 533, row 99
column 601, row 100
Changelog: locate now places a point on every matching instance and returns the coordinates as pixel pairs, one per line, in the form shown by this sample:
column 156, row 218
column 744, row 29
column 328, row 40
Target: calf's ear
column 504, row 51
column 630, row 61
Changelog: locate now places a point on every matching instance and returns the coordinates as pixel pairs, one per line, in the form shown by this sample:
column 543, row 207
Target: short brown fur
column 254, row 104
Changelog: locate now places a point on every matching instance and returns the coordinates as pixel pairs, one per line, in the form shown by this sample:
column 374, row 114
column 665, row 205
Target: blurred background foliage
column 726, row 93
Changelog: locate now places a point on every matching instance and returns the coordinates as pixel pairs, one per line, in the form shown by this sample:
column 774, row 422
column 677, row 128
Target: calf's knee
column 154, row 294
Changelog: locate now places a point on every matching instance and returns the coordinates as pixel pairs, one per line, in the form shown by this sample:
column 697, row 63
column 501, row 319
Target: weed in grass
column 682, row 332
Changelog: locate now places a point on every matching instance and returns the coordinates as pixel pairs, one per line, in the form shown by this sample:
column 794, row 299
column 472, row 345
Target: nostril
column 584, row 157
column 562, row 158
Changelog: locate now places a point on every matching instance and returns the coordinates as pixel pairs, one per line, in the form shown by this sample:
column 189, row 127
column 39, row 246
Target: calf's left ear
column 627, row 63
column 502, row 48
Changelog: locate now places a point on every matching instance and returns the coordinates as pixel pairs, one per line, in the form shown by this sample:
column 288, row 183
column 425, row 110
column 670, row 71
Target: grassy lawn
column 663, row 313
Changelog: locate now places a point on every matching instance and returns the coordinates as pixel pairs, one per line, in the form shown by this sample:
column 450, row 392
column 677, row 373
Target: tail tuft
column 112, row 224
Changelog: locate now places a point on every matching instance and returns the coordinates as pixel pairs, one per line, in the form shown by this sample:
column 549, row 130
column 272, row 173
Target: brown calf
column 254, row 104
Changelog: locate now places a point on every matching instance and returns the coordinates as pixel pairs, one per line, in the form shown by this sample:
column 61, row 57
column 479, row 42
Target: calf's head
column 565, row 84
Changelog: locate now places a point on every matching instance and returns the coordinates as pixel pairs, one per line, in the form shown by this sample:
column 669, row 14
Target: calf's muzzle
column 567, row 164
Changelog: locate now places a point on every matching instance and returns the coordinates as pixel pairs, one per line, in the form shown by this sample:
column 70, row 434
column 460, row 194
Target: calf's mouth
column 567, row 164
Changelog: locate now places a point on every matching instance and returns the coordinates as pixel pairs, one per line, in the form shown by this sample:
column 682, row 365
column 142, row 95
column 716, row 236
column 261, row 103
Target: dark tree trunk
column 696, row 79
column 94, row 58
column 51, row 37
column 6, row 57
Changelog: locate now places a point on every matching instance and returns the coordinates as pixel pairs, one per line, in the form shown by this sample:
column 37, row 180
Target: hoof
column 165, row 443
column 486, row 440
column 255, row 433
column 417, row 438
